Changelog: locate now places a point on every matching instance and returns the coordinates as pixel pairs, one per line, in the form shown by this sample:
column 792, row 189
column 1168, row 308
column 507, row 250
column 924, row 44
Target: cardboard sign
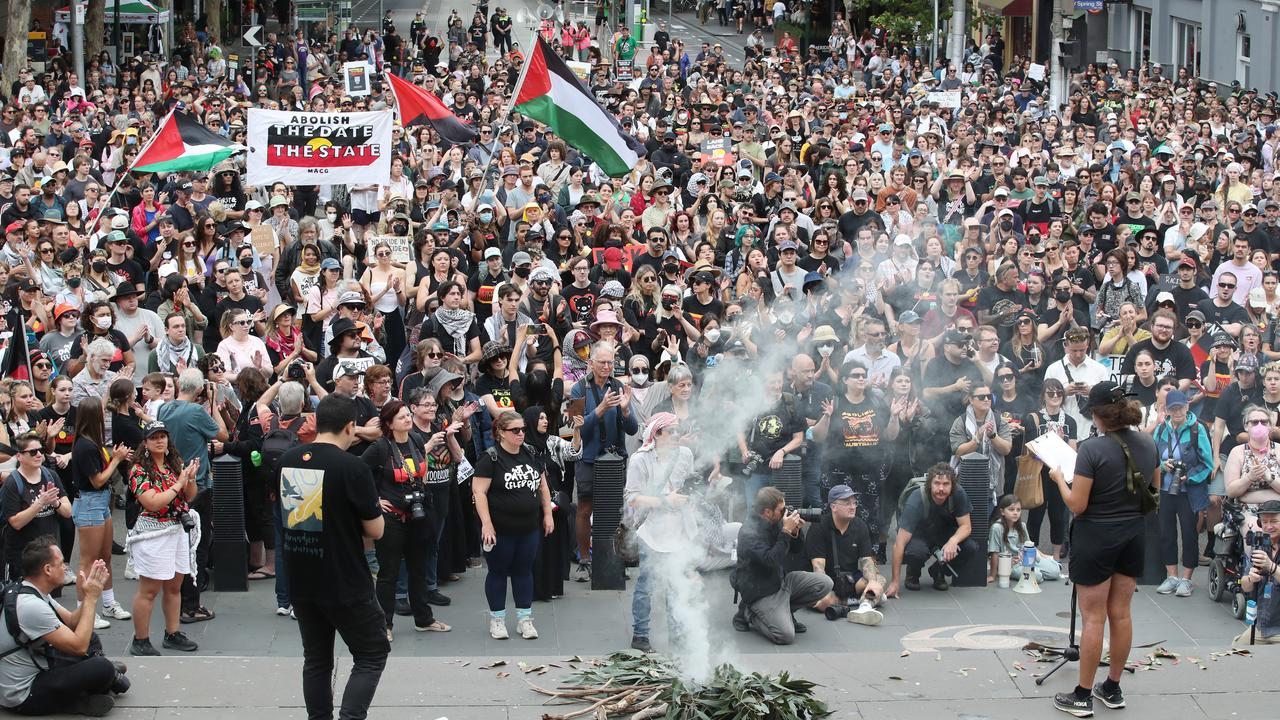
column 717, row 150
column 581, row 69
column 355, row 77
column 626, row 70
column 264, row 239
column 401, row 246
column 944, row 98
column 629, row 253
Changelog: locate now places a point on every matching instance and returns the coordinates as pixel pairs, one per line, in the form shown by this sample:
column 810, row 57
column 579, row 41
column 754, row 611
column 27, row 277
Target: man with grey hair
column 94, row 378
column 607, row 421
column 193, row 423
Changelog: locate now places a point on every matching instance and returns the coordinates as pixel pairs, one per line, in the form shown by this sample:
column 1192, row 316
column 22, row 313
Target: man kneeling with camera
column 769, row 593
column 50, row 659
column 1262, row 578
column 840, row 546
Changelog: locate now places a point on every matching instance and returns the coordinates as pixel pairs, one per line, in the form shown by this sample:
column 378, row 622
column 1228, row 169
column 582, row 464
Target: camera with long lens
column 296, row 371
column 753, row 462
column 186, row 520
column 416, row 501
column 809, row 514
column 1179, row 471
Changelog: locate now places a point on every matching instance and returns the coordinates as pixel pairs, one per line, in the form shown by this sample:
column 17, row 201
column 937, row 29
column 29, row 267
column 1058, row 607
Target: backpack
column 11, row 592
column 278, row 440
column 914, row 485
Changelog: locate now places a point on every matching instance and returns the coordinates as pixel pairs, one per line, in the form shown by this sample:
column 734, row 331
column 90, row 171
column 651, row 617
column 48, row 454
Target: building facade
column 1217, row 40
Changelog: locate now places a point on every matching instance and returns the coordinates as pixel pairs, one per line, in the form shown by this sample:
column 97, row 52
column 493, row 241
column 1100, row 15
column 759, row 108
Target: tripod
column 1071, row 653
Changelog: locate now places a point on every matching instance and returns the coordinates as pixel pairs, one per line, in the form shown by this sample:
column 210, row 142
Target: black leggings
column 59, row 689
column 412, row 542
column 1177, row 520
column 1056, row 509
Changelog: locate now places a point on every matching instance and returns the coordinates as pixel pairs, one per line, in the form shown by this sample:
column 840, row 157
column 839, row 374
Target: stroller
column 1228, row 562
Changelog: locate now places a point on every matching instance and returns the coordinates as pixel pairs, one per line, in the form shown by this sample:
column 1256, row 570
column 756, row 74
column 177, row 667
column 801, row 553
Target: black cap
column 1107, row 393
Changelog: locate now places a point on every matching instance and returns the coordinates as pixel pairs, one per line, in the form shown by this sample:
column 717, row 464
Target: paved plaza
column 939, row 655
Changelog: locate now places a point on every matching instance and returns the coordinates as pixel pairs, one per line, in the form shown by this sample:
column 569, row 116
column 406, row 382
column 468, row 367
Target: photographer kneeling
column 55, row 662
column 1261, row 580
column 770, row 594
column 840, row 546
column 935, row 521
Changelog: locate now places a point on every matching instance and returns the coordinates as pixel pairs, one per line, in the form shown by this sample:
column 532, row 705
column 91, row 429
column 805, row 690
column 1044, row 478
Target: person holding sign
column 384, row 284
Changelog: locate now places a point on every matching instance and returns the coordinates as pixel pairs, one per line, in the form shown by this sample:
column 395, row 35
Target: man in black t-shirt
column 840, row 546
column 1222, row 309
column 236, row 299
column 1172, row 358
column 771, row 435
column 936, row 517
column 129, row 270
column 328, row 507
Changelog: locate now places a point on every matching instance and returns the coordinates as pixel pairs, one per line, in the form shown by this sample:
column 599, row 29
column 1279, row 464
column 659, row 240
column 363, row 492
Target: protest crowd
column 895, row 280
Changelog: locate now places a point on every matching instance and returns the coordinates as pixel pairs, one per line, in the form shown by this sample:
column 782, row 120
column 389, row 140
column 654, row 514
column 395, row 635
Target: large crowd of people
column 872, row 266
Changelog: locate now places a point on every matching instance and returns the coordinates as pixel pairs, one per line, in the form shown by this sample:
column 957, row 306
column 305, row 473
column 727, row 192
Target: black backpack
column 11, row 591
column 278, row 440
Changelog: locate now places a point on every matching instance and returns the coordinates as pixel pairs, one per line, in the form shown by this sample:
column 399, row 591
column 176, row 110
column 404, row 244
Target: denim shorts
column 92, row 508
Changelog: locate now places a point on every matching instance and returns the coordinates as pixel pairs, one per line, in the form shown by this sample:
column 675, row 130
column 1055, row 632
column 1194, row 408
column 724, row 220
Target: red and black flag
column 417, row 105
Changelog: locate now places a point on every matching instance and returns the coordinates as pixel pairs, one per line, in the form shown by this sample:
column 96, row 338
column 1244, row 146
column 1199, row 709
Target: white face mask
column 102, row 322
column 786, row 317
column 639, row 378
column 712, row 335
column 333, row 217
column 826, row 350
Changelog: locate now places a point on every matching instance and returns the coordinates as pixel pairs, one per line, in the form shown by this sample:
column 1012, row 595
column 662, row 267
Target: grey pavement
column 937, row 654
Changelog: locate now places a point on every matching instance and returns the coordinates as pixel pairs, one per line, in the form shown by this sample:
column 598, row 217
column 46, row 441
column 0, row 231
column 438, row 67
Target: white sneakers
column 1169, row 585
column 865, row 614
column 99, row 623
column 525, row 627
column 116, row 611
column 69, row 578
column 498, row 628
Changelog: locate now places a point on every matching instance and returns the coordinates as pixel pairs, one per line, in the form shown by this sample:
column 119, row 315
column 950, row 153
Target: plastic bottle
column 1250, row 612
column 255, row 457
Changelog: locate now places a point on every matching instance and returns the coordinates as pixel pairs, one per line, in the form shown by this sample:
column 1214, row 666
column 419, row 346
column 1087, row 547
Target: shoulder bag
column 1029, row 487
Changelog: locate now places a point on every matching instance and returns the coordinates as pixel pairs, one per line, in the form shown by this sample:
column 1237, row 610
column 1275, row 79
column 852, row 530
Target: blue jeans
column 642, row 596
column 512, row 557
column 282, row 580
column 752, row 485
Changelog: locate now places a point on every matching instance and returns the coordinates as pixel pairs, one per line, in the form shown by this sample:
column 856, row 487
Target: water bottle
column 1250, row 612
column 255, row 457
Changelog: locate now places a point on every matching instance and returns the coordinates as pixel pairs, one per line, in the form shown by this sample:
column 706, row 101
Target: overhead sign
column 301, row 148
column 251, row 36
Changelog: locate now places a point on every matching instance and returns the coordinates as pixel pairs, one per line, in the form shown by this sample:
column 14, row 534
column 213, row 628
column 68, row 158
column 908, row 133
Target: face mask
column 670, row 268
column 668, row 304
column 826, row 350
column 537, row 378
column 246, row 262
column 1006, row 225
column 523, row 272
column 786, row 317
column 73, row 282
column 99, row 266
column 333, row 217
column 102, row 322
column 486, row 217
column 1259, row 433
column 639, row 378
column 400, row 229
column 712, row 335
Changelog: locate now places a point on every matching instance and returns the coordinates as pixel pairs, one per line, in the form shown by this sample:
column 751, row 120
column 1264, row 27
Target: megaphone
column 545, row 12
column 1028, row 585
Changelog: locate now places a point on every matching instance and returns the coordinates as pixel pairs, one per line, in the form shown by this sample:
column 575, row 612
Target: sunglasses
column 242, row 323
column 981, row 396
column 1005, row 378
column 383, row 254
column 1228, row 286
column 34, row 452
column 516, row 430
column 639, row 370
column 857, row 376
column 1253, row 423
column 1053, row 393
column 1193, row 325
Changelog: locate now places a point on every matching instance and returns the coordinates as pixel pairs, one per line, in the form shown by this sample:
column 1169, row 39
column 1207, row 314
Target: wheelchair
column 1228, row 564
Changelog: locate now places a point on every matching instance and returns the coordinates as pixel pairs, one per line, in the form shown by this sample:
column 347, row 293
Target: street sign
column 251, row 36
column 1090, row 5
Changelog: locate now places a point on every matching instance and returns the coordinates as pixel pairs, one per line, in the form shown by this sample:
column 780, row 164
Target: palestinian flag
column 184, row 144
column 550, row 93
column 418, row 105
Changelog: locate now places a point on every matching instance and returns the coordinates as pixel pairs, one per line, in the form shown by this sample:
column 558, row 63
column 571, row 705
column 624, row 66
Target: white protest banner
column 944, row 98
column 355, row 76
column 401, row 246
column 303, row 148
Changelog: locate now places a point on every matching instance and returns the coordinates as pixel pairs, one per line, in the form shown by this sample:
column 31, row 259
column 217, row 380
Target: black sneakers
column 94, row 705
column 179, row 641
column 1113, row 699
column 435, row 597
column 403, row 607
column 142, row 648
column 1068, row 703
column 740, row 622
